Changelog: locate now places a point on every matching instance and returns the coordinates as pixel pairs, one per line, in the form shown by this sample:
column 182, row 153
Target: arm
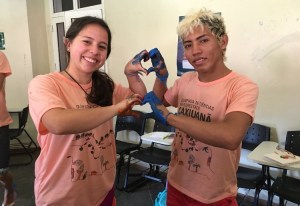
column 71, row 121
column 162, row 74
column 132, row 71
column 226, row 134
column 160, row 89
column 2, row 78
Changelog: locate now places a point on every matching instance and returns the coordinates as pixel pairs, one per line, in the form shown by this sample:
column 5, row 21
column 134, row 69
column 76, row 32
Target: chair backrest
column 23, row 118
column 256, row 134
column 292, row 142
column 135, row 121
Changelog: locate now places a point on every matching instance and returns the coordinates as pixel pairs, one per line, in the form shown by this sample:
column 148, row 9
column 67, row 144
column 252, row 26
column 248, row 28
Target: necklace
column 76, row 82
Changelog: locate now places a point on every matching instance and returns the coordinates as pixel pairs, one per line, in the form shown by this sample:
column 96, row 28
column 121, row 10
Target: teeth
column 90, row 60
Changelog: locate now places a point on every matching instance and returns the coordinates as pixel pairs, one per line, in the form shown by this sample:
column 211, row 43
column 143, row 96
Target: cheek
column 103, row 55
column 186, row 54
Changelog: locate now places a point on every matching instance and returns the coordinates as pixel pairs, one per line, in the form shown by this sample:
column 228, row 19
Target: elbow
column 56, row 130
column 233, row 146
column 233, row 143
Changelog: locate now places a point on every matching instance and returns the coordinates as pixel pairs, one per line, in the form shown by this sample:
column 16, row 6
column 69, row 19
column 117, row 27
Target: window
column 62, row 5
column 86, row 3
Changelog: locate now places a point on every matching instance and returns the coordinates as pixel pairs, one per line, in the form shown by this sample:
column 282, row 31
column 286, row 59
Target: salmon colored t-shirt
column 5, row 118
column 203, row 172
column 76, row 169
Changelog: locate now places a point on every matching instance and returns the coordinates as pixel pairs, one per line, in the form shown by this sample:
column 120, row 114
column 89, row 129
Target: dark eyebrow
column 199, row 37
column 102, row 42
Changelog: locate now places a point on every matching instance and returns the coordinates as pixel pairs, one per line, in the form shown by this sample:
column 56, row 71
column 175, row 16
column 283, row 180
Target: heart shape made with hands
column 156, row 59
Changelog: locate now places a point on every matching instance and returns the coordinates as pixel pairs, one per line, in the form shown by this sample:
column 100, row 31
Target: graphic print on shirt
column 94, row 147
column 194, row 155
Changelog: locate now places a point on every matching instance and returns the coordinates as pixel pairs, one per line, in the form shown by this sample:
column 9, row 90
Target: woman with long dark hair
column 73, row 112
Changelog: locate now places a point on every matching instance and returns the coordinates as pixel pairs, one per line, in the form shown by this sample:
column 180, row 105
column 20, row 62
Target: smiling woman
column 78, row 118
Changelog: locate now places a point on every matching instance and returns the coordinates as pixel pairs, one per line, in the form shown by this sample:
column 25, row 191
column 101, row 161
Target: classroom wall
column 38, row 32
column 264, row 44
column 15, row 27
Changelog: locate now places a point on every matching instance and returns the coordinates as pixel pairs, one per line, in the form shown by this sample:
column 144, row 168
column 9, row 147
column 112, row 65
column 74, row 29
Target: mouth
column 91, row 60
column 199, row 61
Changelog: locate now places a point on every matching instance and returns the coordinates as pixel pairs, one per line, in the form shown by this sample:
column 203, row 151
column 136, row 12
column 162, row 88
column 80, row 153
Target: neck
column 79, row 78
column 73, row 79
column 212, row 76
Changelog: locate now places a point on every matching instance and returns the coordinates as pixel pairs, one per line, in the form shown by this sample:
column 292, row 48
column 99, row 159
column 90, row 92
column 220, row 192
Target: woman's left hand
column 127, row 104
column 134, row 66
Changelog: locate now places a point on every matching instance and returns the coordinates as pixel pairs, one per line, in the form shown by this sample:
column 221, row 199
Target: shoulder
column 46, row 79
column 239, row 80
column 242, row 85
column 188, row 76
column 119, row 88
column 55, row 76
column 4, row 65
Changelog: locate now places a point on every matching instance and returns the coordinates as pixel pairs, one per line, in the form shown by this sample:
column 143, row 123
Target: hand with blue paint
column 143, row 55
column 158, row 65
column 134, row 67
column 158, row 109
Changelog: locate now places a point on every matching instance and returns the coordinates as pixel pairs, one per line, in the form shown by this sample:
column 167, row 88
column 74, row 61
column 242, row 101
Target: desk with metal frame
column 266, row 147
column 163, row 138
column 258, row 156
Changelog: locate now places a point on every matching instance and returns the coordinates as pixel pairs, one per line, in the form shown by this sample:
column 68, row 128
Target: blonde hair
column 203, row 17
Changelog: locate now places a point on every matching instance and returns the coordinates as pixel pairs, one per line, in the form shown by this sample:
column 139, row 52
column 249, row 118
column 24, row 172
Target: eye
column 102, row 47
column 186, row 46
column 87, row 42
column 202, row 41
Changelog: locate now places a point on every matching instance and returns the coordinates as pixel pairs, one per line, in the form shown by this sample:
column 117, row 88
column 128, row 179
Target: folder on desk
column 283, row 157
column 163, row 135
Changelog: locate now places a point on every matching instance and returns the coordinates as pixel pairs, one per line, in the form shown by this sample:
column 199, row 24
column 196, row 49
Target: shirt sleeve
column 120, row 93
column 43, row 95
column 244, row 97
column 171, row 95
column 4, row 65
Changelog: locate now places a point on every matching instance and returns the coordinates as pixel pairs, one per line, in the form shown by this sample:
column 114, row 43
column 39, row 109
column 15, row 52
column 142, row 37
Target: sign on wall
column 182, row 63
column 2, row 41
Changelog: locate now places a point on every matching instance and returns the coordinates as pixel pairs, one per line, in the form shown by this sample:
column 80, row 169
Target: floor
column 144, row 195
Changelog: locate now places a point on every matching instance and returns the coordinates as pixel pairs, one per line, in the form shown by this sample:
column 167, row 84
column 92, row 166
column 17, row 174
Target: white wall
column 264, row 44
column 15, row 27
column 37, row 33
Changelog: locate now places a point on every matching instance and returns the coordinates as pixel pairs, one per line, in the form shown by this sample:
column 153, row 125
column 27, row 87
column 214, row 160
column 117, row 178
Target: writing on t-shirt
column 85, row 106
column 191, row 108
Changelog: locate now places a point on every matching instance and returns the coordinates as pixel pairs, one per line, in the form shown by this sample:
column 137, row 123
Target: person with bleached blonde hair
column 215, row 106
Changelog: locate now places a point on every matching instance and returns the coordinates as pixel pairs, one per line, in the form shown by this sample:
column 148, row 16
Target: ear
column 223, row 42
column 66, row 43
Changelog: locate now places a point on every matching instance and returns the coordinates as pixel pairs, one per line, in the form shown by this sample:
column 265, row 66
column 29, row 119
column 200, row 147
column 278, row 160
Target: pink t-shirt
column 5, row 118
column 76, row 169
column 203, row 172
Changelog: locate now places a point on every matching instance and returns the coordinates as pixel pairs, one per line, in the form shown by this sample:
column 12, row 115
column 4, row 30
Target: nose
column 94, row 49
column 196, row 49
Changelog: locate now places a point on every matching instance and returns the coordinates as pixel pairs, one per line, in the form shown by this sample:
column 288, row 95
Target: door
column 59, row 51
